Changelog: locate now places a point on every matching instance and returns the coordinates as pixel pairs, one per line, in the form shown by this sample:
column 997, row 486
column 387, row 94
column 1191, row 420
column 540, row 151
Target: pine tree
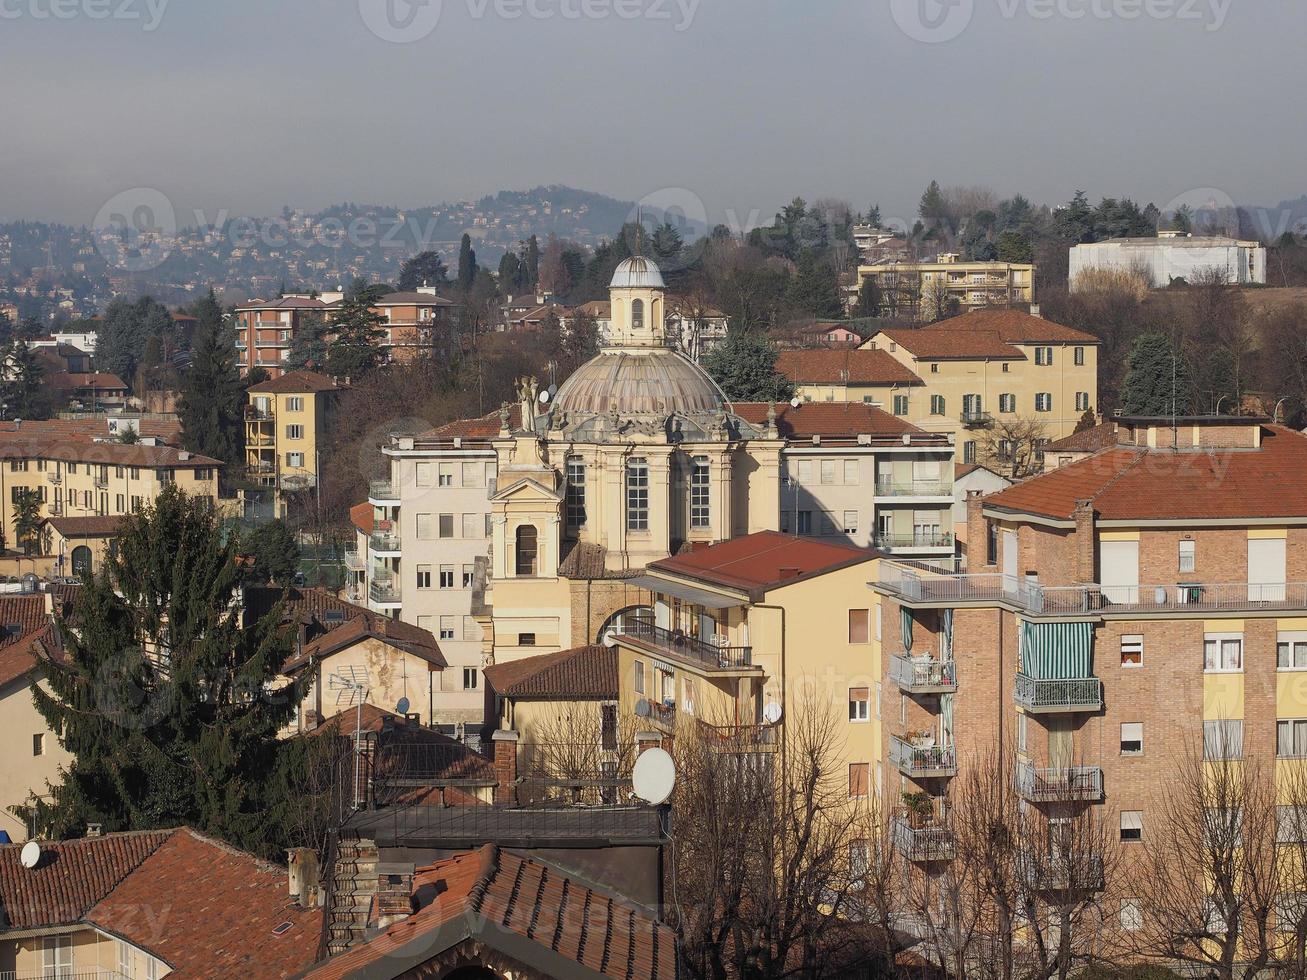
column 815, row 288
column 424, row 269
column 25, row 393
column 1155, row 371
column 309, row 344
column 213, row 397
column 745, row 368
column 275, row 551
column 356, row 336
column 170, row 707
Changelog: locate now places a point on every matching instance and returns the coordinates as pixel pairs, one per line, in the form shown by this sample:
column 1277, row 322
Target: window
column 637, row 314
column 134, row 472
column 639, row 677
column 1188, row 556
column 1006, row 367
column 424, row 474
column 446, row 525
column 124, row 958
column 1044, row 356
column 1082, row 401
column 859, row 625
column 294, row 432
column 526, row 639
column 119, row 502
column 1007, row 403
column 1291, row 738
column 1132, row 915
column 1043, row 402
column 295, row 460
column 850, row 522
column 18, row 466
column 934, row 369
column 805, row 471
column 969, row 451
column 471, row 475
column 471, row 678
column 637, row 494
column 936, row 404
column 828, row 471
column 1023, row 731
column 575, row 492
column 1079, row 357
column 469, row 576
column 470, row 525
column 424, row 576
column 1132, row 650
column 900, row 404
column 57, row 956
column 1132, row 825
column 1132, row 738
column 447, row 627
column 446, row 576
column 1223, row 739
column 295, row 403
column 859, row 704
column 1291, row 651
column 805, row 522
column 38, row 744
column 700, row 507
column 526, row 551
column 850, row 472
column 859, row 779
column 445, row 475
column 1223, row 653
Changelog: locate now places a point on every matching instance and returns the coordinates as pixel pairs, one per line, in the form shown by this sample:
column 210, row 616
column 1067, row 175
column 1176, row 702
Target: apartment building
column 285, row 423
column 862, row 375
column 1114, row 616
column 1172, row 255
column 264, row 330
column 927, row 290
column 994, row 375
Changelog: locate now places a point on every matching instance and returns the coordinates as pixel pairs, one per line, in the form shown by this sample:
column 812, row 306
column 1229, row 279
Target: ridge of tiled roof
column 583, row 560
column 954, row 345
column 403, row 636
column 294, row 382
column 549, row 920
column 483, row 428
column 1015, row 327
column 851, row 366
column 86, row 527
column 24, row 445
column 1101, row 436
column 88, row 430
column 834, row 420
column 583, row 673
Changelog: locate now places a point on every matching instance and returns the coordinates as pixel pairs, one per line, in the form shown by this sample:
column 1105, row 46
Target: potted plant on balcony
column 919, row 809
column 923, row 739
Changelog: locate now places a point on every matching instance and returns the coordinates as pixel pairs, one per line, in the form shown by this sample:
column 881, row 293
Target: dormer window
column 637, row 314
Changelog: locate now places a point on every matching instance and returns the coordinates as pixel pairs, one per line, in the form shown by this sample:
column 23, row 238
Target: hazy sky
column 248, row 105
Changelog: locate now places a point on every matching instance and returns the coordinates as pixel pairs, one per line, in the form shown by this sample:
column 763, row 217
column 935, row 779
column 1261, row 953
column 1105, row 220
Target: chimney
column 302, row 879
column 788, row 573
column 94, row 830
column 1085, row 534
column 1034, row 310
column 977, row 532
column 505, row 767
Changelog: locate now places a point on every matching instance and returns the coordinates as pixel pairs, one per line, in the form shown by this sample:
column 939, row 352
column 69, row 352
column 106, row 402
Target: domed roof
column 637, row 272
column 658, row 382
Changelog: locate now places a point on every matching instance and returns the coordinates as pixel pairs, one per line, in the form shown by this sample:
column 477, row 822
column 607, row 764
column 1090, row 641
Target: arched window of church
column 637, row 314
column 526, row 550
column 637, row 494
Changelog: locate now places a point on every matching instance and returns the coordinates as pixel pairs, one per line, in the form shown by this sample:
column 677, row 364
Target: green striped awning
column 1057, row 651
column 905, row 628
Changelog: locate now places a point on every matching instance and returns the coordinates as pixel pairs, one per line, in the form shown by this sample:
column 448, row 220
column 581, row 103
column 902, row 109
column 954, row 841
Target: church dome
column 656, row 382
column 637, row 272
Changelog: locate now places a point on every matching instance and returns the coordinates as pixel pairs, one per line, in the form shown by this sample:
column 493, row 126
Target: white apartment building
column 1173, row 255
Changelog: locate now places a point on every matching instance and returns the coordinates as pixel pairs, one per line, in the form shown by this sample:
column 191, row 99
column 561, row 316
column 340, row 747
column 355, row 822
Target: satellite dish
column 642, row 709
column 795, row 403
column 402, row 706
column 544, row 397
column 30, row 856
column 772, row 712
column 609, row 640
column 654, row 776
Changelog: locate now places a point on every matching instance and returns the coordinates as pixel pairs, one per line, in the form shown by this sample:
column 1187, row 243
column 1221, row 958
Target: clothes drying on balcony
column 1057, row 651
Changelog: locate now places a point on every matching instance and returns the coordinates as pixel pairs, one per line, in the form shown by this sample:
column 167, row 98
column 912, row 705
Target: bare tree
column 1014, row 446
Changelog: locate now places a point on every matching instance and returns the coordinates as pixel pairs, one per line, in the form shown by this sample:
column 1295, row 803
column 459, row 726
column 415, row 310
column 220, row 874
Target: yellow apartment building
column 990, row 371
column 285, row 423
column 927, row 290
column 869, row 376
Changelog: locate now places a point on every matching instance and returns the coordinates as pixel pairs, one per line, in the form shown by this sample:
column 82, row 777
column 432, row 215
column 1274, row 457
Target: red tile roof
column 98, row 380
column 584, row 674
column 856, row 366
column 25, row 621
column 524, row 910
column 285, row 303
column 294, row 382
column 363, row 517
column 483, row 428
column 1101, row 436
column 25, row 445
column 762, row 561
column 166, row 430
column 86, row 527
column 402, row 636
column 1014, row 327
column 830, row 420
column 1150, row 485
column 950, row 345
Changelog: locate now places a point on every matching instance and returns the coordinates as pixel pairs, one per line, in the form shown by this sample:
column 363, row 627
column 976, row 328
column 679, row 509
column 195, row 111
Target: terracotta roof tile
column 855, row 366
column 166, row 430
column 484, row 428
column 762, row 561
column 1015, row 327
column 830, row 420
column 101, row 380
column 24, row 621
column 363, row 517
column 293, row 383
column 403, row 636
column 86, row 527
column 584, row 673
column 29, row 445
column 953, row 345
column 1101, row 436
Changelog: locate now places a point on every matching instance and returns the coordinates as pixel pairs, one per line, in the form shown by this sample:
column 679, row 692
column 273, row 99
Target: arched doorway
column 81, row 562
column 621, row 620
column 527, row 550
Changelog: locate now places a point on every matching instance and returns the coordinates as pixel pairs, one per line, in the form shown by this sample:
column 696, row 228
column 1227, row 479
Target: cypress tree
column 213, row 398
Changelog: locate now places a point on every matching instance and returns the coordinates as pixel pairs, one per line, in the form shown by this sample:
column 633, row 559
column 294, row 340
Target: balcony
column 255, row 414
column 740, row 738
column 382, row 493
column 55, row 478
column 977, row 420
column 1062, row 873
column 914, row 488
column 1051, row 696
column 663, row 714
column 66, row 973
column 705, row 653
column 922, row 838
column 384, row 543
column 354, row 560
column 921, row 761
column 101, row 482
column 272, row 343
column 1077, row 784
column 923, row 675
column 384, row 591
column 913, row 542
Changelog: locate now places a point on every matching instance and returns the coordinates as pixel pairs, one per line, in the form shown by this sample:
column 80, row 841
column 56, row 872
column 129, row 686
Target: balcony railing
column 55, row 478
column 1046, row 696
column 382, row 490
column 741, row 738
column 914, row 488
column 102, row 482
column 1072, row 785
column 663, row 714
column 384, row 541
column 935, row 539
column 354, row 560
column 676, row 642
column 384, row 590
column 1062, row 873
column 255, row 414
column 66, row 973
column 922, row 761
column 923, row 838
column 923, row 675
column 977, row 420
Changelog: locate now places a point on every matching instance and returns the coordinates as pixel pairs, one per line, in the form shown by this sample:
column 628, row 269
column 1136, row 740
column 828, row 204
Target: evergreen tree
column 30, row 532
column 309, row 344
column 510, row 274
column 125, row 331
column 467, row 264
column 356, row 335
column 870, row 300
column 25, row 393
column 581, row 341
column 934, row 207
column 425, row 268
column 1148, row 387
column 531, row 262
column 170, row 707
column 815, row 288
column 745, row 368
column 275, row 551
column 213, row 397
